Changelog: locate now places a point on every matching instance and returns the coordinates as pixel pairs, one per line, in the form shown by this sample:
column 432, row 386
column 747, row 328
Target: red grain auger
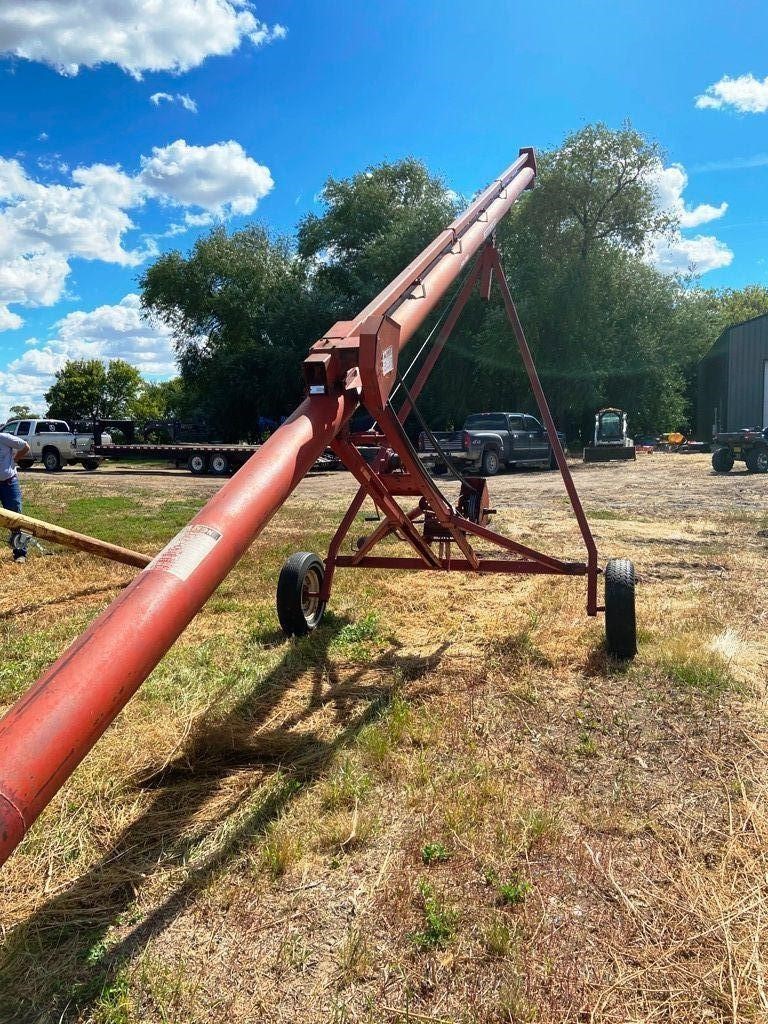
column 49, row 731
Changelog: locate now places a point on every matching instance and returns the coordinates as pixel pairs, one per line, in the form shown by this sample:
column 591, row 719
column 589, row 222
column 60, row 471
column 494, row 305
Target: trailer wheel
column 490, row 465
column 219, row 465
column 722, row 460
column 51, row 460
column 757, row 460
column 620, row 626
column 197, row 464
column 299, row 607
column 91, row 464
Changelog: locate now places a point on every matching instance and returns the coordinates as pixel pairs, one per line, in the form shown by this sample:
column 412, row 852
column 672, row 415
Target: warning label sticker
column 186, row 551
column 387, row 361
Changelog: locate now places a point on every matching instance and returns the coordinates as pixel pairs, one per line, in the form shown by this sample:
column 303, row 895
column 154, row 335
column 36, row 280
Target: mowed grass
column 445, row 805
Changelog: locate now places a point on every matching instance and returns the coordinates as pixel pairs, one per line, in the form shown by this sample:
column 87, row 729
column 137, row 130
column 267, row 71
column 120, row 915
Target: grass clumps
column 512, row 891
column 435, row 853
column 707, row 673
column 439, row 920
column 281, row 849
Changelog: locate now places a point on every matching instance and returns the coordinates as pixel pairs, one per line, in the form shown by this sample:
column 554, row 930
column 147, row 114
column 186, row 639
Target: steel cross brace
column 397, row 472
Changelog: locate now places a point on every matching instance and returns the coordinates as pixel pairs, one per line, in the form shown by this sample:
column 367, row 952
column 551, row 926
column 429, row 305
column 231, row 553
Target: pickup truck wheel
column 490, row 464
column 51, row 460
column 552, row 460
column 620, row 626
column 299, row 607
column 439, row 469
column 25, row 464
column 197, row 465
column 757, row 460
column 219, row 465
column 722, row 460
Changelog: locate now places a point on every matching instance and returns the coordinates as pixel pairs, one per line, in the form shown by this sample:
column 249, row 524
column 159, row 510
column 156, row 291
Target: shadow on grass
column 58, row 963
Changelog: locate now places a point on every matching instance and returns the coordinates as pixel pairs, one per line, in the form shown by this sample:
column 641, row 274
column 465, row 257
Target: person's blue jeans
column 10, row 498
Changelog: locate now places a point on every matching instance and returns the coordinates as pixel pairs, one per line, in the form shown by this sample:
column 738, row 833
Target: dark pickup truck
column 749, row 445
column 490, row 440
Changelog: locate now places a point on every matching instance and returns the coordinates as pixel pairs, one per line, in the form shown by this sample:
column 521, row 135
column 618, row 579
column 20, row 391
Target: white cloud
column 675, row 252
column 44, row 226
column 745, row 93
column 221, row 178
column 670, row 183
column 181, row 98
column 699, row 254
column 136, row 35
column 108, row 332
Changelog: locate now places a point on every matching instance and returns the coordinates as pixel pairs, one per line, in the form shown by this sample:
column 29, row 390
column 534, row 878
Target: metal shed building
column 733, row 380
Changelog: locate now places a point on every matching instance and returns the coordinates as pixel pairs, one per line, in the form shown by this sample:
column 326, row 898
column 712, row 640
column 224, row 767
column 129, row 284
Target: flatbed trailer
column 200, row 459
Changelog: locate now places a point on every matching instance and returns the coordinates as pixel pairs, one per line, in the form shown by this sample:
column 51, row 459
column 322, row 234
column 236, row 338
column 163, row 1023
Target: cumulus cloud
column 181, row 98
column 44, row 226
column 136, row 35
column 221, row 178
column 108, row 332
column 675, row 252
column 745, row 93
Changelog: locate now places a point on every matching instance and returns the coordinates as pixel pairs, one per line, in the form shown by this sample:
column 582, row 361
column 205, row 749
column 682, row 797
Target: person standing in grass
column 12, row 449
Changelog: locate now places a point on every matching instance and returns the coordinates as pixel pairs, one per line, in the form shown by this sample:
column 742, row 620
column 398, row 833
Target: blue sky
column 256, row 105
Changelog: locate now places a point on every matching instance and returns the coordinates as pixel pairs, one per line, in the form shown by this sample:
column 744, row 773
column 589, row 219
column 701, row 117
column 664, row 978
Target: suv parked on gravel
column 54, row 444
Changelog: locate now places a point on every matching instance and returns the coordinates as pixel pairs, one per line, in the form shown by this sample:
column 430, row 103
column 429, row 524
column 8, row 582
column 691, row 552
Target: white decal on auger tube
column 387, row 361
column 186, row 551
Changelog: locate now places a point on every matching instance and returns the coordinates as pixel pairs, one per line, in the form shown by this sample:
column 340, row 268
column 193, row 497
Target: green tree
column 87, row 388
column 243, row 316
column 373, row 225
column 159, row 400
column 22, row 412
column 732, row 305
column 604, row 326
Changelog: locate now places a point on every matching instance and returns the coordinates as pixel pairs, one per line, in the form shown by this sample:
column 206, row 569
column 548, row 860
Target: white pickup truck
column 54, row 444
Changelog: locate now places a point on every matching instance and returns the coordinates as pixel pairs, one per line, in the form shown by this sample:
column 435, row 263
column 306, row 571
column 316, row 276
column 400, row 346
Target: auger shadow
column 56, row 964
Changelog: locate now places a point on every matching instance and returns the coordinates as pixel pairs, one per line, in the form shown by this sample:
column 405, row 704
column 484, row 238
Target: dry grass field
column 446, row 805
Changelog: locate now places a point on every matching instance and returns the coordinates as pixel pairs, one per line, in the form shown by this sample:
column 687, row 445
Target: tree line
column 605, row 327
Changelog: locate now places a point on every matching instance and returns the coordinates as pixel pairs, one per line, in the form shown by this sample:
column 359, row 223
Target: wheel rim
column 219, row 464
column 762, row 461
column 491, row 462
column 196, row 463
column 310, row 597
column 51, row 461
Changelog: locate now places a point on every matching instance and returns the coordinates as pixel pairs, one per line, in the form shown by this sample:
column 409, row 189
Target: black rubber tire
column 491, row 463
column 620, row 624
column 552, row 460
column 197, row 465
column 219, row 465
column 25, row 464
column 439, row 469
column 91, row 465
column 722, row 460
column 298, row 612
column 51, row 460
column 757, row 459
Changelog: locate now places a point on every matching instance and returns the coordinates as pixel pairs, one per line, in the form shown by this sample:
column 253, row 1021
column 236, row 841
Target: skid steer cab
column 611, row 442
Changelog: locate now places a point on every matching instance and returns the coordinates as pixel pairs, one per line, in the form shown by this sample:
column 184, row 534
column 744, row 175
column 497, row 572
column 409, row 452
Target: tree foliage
column 88, row 388
column 242, row 313
column 605, row 326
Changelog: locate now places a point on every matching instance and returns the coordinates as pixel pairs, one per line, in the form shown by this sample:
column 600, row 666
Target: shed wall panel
column 748, row 353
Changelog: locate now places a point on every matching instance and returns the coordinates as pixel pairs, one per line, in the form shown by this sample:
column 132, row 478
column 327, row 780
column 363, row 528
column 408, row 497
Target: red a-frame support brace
column 398, row 472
